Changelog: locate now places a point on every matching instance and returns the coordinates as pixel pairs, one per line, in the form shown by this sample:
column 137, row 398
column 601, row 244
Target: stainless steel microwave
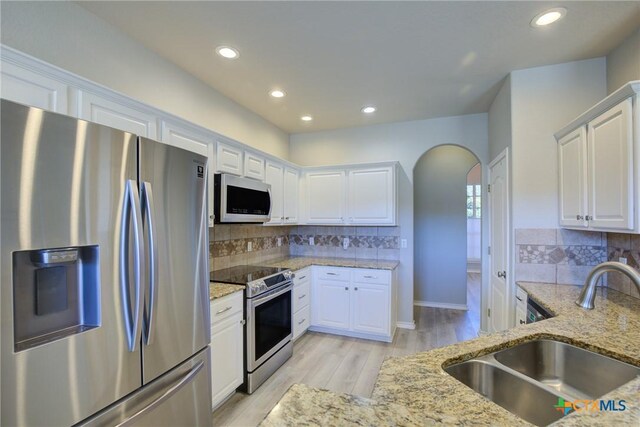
column 238, row 199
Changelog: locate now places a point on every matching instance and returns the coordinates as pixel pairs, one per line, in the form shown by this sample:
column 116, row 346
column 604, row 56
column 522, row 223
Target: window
column 474, row 203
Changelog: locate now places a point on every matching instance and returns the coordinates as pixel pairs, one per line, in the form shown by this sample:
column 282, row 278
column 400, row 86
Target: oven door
column 269, row 324
column 241, row 200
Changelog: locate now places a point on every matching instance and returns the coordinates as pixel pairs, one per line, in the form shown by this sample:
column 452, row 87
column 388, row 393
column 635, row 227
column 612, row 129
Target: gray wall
column 440, row 225
column 500, row 120
column 623, row 63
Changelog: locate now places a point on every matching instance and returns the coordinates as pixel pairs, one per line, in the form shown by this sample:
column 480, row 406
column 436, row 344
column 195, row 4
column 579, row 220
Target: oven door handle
column 268, row 297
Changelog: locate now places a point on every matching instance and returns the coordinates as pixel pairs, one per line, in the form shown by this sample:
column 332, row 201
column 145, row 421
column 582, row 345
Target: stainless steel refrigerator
column 104, row 276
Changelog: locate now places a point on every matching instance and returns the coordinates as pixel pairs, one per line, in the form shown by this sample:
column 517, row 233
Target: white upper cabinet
column 274, row 175
column 185, row 138
column 29, row 88
column 98, row 109
column 325, row 197
column 253, row 166
column 572, row 155
column 610, row 156
column 229, row 159
column 371, row 196
column 291, row 199
column 599, row 165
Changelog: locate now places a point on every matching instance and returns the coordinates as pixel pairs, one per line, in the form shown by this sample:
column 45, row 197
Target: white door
column 371, row 196
column 572, row 166
column 227, row 370
column 325, row 197
column 187, row 139
column 97, row 109
column 274, row 176
column 253, row 166
column 330, row 306
column 291, row 189
column 499, row 258
column 229, row 159
column 611, row 169
column 32, row 89
column 370, row 308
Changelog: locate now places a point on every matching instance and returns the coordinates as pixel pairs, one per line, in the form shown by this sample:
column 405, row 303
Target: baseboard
column 406, row 325
column 441, row 305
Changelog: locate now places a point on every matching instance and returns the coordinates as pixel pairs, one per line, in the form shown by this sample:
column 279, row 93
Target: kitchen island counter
column 419, row 384
column 299, row 262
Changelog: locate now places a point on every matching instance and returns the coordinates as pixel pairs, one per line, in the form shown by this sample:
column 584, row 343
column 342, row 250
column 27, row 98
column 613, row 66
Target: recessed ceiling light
column 548, row 17
column 368, row 109
column 277, row 93
column 227, row 52
column 306, row 118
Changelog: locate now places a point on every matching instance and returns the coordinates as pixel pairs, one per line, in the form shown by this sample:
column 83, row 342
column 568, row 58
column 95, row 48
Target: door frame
column 509, row 285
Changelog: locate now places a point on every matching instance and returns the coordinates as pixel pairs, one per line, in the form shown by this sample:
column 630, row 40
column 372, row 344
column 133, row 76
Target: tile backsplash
column 381, row 243
column 567, row 256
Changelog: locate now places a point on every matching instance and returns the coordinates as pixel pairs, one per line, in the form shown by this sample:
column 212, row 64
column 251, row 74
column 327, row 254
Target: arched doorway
column 441, row 243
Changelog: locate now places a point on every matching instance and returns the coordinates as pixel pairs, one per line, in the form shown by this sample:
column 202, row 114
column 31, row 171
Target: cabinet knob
column 286, row 217
column 579, row 217
column 346, row 288
column 522, row 322
column 589, row 218
column 355, row 289
column 282, row 217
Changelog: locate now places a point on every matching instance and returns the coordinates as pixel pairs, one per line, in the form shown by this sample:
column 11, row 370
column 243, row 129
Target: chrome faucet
column 588, row 294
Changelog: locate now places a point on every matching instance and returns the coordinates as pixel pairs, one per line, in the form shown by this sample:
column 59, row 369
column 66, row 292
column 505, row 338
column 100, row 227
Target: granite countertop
column 299, row 262
column 219, row 290
column 419, row 385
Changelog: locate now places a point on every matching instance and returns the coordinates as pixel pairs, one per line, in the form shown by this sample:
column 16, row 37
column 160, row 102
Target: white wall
column 544, row 99
column 404, row 142
column 68, row 36
column 440, row 225
column 623, row 63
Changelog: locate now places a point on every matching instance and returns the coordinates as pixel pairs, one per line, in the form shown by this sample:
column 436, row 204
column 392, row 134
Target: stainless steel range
column 268, row 314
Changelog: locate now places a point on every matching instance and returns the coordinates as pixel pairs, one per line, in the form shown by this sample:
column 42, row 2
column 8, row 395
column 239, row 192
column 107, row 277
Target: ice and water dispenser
column 56, row 293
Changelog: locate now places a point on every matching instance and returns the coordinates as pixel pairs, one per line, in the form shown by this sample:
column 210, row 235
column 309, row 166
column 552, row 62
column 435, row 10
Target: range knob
column 288, row 275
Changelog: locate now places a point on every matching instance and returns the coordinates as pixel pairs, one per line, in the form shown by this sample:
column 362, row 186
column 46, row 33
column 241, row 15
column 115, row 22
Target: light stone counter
column 300, row 262
column 219, row 290
column 418, row 383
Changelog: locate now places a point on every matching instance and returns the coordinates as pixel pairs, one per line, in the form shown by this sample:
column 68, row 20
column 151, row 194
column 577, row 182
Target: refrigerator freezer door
column 181, row 397
column 63, row 185
column 177, row 281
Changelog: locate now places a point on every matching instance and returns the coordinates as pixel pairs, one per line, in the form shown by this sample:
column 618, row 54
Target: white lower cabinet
column 354, row 302
column 521, row 306
column 301, row 299
column 227, row 347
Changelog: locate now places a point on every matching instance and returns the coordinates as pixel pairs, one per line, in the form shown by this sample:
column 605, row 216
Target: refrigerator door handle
column 166, row 395
column 152, row 246
column 131, row 209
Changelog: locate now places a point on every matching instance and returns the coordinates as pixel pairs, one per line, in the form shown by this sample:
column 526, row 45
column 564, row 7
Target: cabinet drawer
column 224, row 307
column 301, row 321
column 301, row 276
column 381, row 277
column 301, row 296
column 333, row 273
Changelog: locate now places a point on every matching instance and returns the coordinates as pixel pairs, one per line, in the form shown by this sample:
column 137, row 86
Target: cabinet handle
column 301, row 322
column 302, row 277
column 332, row 274
column 522, row 322
column 223, row 310
column 355, row 289
column 579, row 217
column 302, row 296
column 346, row 288
column 243, row 322
column 282, row 217
column 589, row 218
column 370, row 277
column 518, row 298
column 286, row 217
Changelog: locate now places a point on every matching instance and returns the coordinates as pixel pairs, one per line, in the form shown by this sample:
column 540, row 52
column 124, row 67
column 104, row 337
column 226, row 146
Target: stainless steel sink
column 528, row 379
column 570, row 370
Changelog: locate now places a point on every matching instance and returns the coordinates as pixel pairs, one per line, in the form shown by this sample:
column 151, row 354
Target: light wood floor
column 351, row 365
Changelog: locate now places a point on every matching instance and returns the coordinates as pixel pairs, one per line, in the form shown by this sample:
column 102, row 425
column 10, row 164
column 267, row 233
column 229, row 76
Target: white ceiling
column 413, row 60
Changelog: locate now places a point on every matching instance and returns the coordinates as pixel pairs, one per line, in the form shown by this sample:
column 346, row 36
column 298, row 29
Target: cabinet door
column 521, row 314
column 253, row 166
column 97, row 109
column 33, row 89
column 229, row 159
column 572, row 165
column 370, row 305
column 371, row 197
column 325, row 197
column 291, row 189
column 227, row 353
column 610, row 173
column 330, row 306
column 274, row 176
column 187, row 139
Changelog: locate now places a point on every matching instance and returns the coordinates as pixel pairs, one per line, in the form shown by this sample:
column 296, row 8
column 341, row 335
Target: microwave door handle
column 270, row 201
column 151, row 305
